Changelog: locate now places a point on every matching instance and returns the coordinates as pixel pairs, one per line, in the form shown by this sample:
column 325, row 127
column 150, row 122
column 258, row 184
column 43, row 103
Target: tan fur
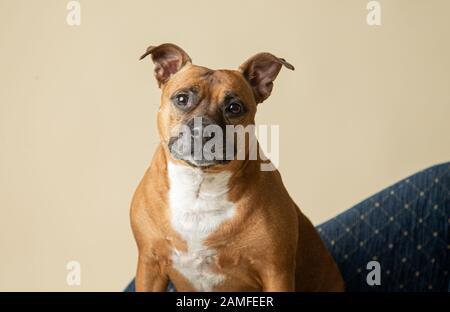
column 269, row 245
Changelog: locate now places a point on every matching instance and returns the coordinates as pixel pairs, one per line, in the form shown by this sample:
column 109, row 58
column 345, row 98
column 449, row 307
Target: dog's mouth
column 197, row 154
column 206, row 164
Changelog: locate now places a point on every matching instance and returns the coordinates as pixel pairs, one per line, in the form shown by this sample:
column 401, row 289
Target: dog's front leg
column 149, row 276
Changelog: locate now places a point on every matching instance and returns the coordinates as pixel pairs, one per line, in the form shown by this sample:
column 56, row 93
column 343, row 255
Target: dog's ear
column 260, row 71
column 168, row 59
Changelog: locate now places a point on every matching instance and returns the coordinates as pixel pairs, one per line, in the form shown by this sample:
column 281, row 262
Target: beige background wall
column 366, row 106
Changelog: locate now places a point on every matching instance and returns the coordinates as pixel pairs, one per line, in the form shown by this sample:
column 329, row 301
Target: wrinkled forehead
column 212, row 83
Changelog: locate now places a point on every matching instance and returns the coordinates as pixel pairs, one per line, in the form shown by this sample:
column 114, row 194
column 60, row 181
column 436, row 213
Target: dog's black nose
column 197, row 132
column 200, row 130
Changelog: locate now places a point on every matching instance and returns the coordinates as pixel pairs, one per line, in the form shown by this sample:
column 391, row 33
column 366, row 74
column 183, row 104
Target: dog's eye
column 182, row 99
column 234, row 108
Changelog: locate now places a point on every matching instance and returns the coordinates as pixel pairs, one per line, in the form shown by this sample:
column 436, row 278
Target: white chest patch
column 198, row 205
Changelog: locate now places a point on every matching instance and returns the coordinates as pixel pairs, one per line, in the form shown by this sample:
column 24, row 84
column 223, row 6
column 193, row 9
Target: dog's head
column 200, row 105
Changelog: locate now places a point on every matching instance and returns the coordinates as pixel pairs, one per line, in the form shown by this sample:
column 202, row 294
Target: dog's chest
column 198, row 204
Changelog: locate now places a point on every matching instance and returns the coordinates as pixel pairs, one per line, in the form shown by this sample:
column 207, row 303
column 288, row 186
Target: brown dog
column 215, row 224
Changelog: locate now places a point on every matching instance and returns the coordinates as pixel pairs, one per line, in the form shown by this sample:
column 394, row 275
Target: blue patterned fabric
column 404, row 227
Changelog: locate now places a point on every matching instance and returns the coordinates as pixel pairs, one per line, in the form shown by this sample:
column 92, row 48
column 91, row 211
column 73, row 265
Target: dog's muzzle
column 201, row 142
